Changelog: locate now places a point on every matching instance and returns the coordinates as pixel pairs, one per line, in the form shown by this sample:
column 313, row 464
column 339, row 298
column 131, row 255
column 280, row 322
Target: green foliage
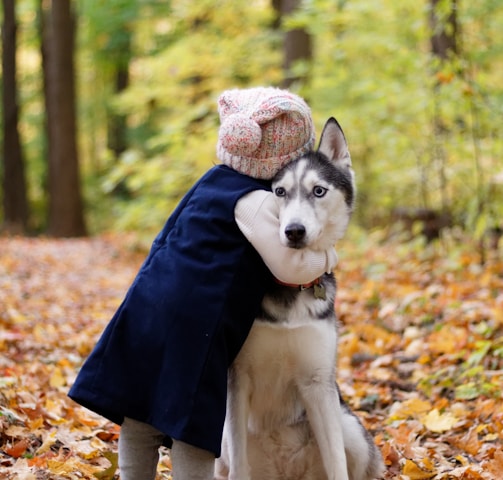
column 422, row 132
column 471, row 378
column 183, row 58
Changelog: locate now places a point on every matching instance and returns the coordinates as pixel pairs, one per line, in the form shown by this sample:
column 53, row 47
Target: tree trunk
column 297, row 45
column 66, row 218
column 117, row 123
column 15, row 202
column 444, row 31
column 444, row 46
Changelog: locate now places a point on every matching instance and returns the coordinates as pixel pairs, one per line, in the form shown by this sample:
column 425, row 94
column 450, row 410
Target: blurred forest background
column 109, row 106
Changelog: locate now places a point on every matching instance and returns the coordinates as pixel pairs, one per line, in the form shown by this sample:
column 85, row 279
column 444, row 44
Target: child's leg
column 191, row 463
column 138, row 450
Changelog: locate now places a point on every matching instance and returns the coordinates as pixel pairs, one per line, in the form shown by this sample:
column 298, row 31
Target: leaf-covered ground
column 420, row 359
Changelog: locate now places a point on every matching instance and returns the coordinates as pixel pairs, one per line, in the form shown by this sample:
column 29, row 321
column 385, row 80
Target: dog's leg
column 236, row 425
column 317, row 349
column 324, row 412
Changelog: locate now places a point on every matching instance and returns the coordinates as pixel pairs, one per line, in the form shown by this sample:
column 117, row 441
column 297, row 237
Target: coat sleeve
column 258, row 219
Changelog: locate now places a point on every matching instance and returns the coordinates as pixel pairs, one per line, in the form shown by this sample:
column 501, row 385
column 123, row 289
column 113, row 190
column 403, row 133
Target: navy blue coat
column 164, row 356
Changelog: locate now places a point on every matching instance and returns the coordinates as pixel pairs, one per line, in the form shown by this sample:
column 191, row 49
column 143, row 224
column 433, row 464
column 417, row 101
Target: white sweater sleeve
column 258, row 219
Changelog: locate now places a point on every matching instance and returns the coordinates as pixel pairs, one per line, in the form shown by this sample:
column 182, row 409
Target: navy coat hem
column 164, row 356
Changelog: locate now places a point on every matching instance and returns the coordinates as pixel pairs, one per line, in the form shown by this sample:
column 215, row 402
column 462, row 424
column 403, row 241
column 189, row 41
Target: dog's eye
column 280, row 192
column 319, row 191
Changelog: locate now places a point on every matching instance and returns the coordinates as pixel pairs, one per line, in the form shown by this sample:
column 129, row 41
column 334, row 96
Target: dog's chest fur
column 292, row 342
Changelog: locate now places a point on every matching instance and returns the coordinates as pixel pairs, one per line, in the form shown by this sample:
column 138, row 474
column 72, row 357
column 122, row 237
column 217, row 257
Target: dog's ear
column 333, row 144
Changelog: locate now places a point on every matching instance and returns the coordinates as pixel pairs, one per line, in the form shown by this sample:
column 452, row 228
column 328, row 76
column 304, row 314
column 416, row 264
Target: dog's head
column 316, row 192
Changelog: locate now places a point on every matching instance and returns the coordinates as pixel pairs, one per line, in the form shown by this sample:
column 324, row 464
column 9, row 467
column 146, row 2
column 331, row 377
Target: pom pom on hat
column 240, row 135
column 262, row 129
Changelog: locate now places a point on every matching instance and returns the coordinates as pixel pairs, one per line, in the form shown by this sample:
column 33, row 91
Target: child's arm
column 257, row 217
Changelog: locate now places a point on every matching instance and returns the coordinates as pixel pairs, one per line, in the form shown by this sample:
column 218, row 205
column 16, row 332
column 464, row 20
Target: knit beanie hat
column 262, row 129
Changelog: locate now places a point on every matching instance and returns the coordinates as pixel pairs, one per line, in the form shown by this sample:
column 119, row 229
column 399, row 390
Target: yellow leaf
column 439, row 422
column 88, row 449
column 38, row 333
column 49, row 441
column 57, row 379
column 36, row 423
column 428, row 464
column 413, row 407
column 109, row 473
column 70, row 465
column 15, row 316
column 415, row 472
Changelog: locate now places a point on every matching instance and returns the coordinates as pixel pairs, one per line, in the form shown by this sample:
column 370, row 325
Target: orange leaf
column 389, row 453
column 108, row 435
column 469, row 442
column 18, row 448
column 403, row 434
column 445, row 77
column 39, row 462
column 442, row 342
column 495, row 466
column 87, row 420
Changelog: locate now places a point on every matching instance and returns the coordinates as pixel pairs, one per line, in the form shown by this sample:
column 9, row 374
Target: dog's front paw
column 240, row 474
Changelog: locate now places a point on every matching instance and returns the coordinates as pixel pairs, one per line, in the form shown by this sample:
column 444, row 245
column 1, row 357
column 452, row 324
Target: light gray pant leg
column 191, row 463
column 138, row 450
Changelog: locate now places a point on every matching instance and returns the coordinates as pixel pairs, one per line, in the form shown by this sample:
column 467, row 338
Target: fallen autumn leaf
column 420, row 358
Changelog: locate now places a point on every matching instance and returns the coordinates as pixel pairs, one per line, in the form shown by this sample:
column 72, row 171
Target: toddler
column 160, row 367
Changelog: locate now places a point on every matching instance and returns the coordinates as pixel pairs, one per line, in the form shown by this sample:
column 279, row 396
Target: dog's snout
column 295, row 232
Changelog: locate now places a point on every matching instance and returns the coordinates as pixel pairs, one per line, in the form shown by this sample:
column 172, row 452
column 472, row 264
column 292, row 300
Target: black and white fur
column 286, row 419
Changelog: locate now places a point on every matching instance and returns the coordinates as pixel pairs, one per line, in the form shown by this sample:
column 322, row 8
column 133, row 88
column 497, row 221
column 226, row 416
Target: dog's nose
column 295, row 232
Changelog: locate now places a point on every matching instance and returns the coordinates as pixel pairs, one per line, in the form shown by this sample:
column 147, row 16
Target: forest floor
column 420, row 357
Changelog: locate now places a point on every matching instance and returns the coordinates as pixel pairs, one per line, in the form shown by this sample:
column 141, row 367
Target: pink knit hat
column 262, row 129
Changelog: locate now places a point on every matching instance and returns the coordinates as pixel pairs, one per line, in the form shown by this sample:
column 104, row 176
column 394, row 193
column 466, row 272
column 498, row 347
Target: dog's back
column 284, row 405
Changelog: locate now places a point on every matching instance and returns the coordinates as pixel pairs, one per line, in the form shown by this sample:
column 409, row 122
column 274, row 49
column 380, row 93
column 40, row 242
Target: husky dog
column 286, row 419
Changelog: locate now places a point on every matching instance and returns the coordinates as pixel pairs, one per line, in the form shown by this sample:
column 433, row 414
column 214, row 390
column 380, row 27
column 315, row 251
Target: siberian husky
column 285, row 417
